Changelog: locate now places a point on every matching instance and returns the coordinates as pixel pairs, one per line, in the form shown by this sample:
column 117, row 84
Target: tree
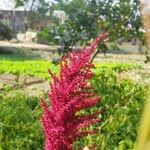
column 36, row 13
column 19, row 3
column 85, row 19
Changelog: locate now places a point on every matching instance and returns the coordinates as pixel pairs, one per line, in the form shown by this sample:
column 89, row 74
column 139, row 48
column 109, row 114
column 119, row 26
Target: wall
column 15, row 20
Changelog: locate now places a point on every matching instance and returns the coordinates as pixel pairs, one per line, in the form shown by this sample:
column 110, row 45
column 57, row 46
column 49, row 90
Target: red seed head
column 70, row 92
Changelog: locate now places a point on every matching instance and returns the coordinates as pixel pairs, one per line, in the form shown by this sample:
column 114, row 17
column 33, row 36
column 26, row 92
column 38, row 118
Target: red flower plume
column 70, row 92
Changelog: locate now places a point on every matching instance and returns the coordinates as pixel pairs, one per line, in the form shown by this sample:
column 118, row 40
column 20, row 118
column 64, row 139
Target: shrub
column 5, row 32
column 44, row 37
column 19, row 123
column 122, row 101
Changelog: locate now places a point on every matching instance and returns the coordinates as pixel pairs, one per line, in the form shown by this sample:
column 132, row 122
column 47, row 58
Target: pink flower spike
column 69, row 93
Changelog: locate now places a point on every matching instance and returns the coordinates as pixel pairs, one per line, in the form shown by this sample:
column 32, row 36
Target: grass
column 22, row 64
column 18, row 54
column 37, row 68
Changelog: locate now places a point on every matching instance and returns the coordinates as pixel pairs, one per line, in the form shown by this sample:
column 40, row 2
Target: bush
column 122, row 103
column 20, row 128
column 44, row 37
column 5, row 32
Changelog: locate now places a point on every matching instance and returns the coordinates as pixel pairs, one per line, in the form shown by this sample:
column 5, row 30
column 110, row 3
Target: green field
column 122, row 102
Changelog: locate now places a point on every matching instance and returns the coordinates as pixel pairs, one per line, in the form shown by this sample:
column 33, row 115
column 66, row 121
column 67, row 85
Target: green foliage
column 86, row 19
column 5, row 32
column 37, row 68
column 122, row 101
column 44, row 37
column 19, row 3
column 20, row 127
column 114, row 67
column 80, row 26
column 122, row 104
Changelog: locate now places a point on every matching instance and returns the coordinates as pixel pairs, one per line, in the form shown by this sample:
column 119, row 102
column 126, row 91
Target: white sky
column 9, row 5
column 6, row 4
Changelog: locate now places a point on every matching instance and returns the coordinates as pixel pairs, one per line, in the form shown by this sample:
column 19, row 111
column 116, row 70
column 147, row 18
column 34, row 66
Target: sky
column 9, row 5
column 6, row 4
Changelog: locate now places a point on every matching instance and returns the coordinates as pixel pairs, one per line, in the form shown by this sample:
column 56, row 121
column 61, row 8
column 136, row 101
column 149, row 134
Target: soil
column 31, row 85
column 22, row 45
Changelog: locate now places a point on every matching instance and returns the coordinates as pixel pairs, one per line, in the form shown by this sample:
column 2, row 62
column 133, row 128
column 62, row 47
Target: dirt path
column 7, row 44
column 32, row 85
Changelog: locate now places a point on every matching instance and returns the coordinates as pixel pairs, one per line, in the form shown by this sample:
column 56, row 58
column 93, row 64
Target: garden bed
column 24, row 80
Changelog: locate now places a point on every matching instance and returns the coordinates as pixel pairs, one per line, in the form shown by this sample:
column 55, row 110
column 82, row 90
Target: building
column 14, row 19
column 11, row 16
